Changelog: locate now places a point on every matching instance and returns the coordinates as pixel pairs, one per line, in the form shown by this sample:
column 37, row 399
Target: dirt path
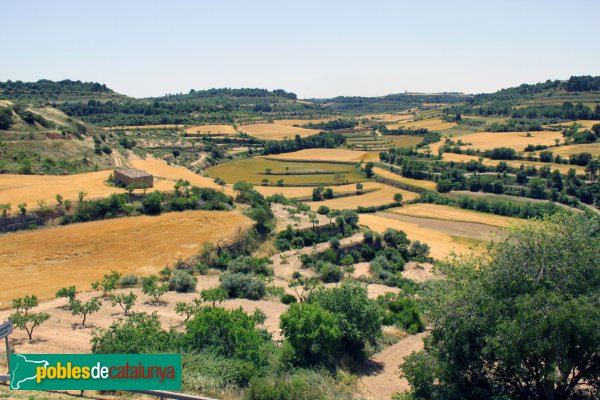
column 382, row 377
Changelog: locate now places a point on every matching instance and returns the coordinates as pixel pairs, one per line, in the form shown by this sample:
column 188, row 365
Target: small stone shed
column 127, row 176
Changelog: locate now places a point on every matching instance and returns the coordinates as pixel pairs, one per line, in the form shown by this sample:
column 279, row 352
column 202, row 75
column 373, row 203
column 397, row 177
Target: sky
column 312, row 48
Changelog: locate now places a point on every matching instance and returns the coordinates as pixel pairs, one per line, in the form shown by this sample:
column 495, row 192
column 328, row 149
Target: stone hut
column 130, row 176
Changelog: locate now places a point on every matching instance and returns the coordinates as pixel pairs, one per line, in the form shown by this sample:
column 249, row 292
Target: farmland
column 422, row 184
column 566, row 151
column 563, row 168
column 447, row 213
column 79, row 254
column 381, row 195
column 338, row 155
column 515, row 140
column 433, row 124
column 383, row 142
column 275, row 131
column 211, row 129
column 292, row 173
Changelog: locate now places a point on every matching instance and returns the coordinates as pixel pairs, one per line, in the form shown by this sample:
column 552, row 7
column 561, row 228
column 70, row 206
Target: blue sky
column 313, row 48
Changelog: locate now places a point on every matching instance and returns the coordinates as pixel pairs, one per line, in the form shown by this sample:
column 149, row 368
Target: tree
column 265, row 182
column 5, row 118
column 153, row 203
column 108, row 283
column 81, row 196
column 521, row 322
column 444, row 185
column 22, row 208
column 25, row 320
column 313, row 219
column 187, row 309
column 398, row 198
column 312, row 334
column 84, row 309
column 536, row 188
column 216, row 295
column 5, row 210
column 304, row 287
column 359, row 188
column 67, row 292
column 317, row 193
column 369, row 169
column 125, row 301
column 150, row 287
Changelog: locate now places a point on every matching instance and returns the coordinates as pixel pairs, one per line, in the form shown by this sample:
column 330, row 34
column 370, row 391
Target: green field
column 384, row 142
column 298, row 173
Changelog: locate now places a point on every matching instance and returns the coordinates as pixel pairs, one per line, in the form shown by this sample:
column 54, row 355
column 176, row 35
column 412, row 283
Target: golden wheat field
column 384, row 173
column 47, row 259
column 384, row 194
column 275, row 131
column 300, row 122
column 433, row 124
column 448, row 213
column 565, row 151
column 338, row 155
column 209, row 129
column 584, row 123
column 173, row 172
column 515, row 140
column 563, row 168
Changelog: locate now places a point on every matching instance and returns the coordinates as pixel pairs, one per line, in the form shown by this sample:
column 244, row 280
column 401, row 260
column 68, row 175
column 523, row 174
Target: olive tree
column 23, row 319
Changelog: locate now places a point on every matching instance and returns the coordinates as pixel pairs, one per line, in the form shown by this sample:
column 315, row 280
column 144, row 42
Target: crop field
column 515, row 140
column 211, row 129
column 299, row 122
column 433, row 124
column 384, row 142
column 423, row 184
column 563, row 168
column 253, row 170
column 275, row 131
column 443, row 238
column 48, row 259
column 448, row 213
column 565, row 151
column 338, row 155
column 583, row 123
column 384, row 194
column 294, row 192
column 160, row 168
column 133, row 127
column 390, row 117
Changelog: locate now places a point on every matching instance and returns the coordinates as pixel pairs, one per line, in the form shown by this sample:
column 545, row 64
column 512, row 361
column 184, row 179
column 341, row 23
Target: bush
column 312, row 334
column 182, row 281
column 288, row 299
column 152, row 204
column 330, row 273
column 129, row 281
column 238, row 285
column 323, row 210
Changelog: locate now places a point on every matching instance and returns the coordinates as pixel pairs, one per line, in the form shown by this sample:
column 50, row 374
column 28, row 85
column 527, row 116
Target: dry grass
column 207, row 129
column 433, row 124
column 384, row 173
column 48, row 259
column 161, row 169
column 275, row 131
column 515, row 140
column 131, row 127
column 339, row 155
column 390, row 117
column 384, row 194
column 563, row 168
column 442, row 243
column 292, row 192
column 447, row 213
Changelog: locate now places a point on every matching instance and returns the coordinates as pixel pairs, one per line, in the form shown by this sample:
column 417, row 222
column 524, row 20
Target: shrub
column 182, row 281
column 288, row 299
column 323, row 210
column 150, row 287
column 329, row 273
column 152, row 204
column 238, row 285
column 312, row 334
column 129, row 281
column 401, row 311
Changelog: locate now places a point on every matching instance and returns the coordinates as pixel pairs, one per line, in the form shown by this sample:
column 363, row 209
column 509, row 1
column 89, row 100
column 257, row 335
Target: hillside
column 389, row 103
column 44, row 91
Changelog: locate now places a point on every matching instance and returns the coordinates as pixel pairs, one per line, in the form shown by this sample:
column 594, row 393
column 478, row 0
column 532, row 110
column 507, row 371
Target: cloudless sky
column 313, row 48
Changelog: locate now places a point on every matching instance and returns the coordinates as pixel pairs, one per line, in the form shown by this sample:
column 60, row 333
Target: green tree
column 153, row 203
column 188, row 309
column 23, row 319
column 216, row 295
column 84, row 309
column 398, row 198
column 22, row 208
column 125, row 301
column 67, row 292
column 151, row 287
column 369, row 169
column 108, row 283
column 521, row 322
column 359, row 188
column 312, row 334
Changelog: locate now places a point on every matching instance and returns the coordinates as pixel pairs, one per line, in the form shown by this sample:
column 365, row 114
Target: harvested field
column 515, row 140
column 384, row 173
column 433, row 124
column 385, row 141
column 566, row 151
column 209, row 129
column 161, row 169
column 30, row 189
column 275, row 131
column 584, row 123
column 444, row 237
column 383, row 195
column 292, row 192
column 338, row 155
column 300, row 122
column 47, row 259
column 132, row 127
column 253, row 170
column 563, row 168
column 448, row 213
column 391, row 117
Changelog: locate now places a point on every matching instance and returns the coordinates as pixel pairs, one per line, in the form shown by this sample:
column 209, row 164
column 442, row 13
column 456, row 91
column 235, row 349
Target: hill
column 389, row 103
column 45, row 91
